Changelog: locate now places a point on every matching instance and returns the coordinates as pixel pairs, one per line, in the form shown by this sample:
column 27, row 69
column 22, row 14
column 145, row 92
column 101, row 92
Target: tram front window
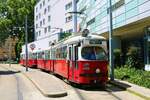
column 93, row 53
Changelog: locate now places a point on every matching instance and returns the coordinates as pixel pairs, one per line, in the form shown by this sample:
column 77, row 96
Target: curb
column 54, row 95
column 129, row 90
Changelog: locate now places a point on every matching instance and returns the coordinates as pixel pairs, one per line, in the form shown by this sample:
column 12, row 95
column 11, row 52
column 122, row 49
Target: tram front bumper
column 95, row 78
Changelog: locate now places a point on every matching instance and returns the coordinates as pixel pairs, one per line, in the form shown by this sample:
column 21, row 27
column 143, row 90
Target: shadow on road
column 8, row 72
column 108, row 87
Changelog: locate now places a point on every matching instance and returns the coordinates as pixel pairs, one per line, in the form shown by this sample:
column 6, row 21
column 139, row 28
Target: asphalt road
column 15, row 86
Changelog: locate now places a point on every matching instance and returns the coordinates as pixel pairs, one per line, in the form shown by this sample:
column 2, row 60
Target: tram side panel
column 32, row 62
column 21, row 62
column 61, row 68
column 40, row 60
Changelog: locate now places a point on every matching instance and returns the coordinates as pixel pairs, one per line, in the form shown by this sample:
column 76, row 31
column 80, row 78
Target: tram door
column 72, row 61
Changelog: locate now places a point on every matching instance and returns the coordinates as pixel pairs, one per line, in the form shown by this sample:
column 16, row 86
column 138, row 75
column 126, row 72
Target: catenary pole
column 26, row 41
column 74, row 16
column 111, row 61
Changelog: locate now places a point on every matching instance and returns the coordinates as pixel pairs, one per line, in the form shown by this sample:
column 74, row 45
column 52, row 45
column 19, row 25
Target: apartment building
column 68, row 27
column 131, row 21
column 50, row 21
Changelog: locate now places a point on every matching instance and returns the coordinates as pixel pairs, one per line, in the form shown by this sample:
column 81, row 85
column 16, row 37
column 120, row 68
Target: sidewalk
column 135, row 89
column 47, row 84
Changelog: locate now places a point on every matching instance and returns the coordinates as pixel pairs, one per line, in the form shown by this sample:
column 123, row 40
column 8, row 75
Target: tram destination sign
column 95, row 41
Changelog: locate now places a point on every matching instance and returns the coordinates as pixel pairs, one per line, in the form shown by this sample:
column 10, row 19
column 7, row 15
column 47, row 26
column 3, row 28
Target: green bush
column 117, row 57
column 132, row 57
column 133, row 75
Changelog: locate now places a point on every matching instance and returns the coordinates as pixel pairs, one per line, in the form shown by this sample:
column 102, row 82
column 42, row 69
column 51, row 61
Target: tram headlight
column 97, row 70
column 86, row 66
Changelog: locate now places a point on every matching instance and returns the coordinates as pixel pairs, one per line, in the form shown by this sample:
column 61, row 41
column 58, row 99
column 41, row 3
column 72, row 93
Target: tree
column 12, row 16
column 5, row 23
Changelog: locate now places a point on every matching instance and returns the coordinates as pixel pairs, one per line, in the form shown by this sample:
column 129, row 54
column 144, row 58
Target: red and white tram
column 32, row 59
column 22, row 59
column 80, row 59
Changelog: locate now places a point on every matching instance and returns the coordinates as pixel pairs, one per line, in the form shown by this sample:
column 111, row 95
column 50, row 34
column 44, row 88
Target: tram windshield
column 93, row 53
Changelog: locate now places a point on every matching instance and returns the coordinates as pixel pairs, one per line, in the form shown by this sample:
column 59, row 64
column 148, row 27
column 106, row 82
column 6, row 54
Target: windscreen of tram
column 93, row 53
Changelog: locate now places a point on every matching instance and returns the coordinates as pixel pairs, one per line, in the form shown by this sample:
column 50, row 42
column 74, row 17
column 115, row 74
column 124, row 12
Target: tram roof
column 75, row 39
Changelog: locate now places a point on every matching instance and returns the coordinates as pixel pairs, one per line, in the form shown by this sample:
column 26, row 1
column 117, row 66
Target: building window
column 49, row 28
column 68, row 19
column 45, row 30
column 37, row 17
column 36, row 25
column 40, row 23
column 45, row 10
column 44, row 3
column 68, row 6
column 49, row 8
column 36, row 9
column 39, row 33
column 40, row 6
column 36, row 34
column 43, row 22
column 49, row 18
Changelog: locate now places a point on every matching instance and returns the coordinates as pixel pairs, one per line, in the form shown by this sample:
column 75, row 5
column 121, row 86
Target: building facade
column 50, row 21
column 131, row 19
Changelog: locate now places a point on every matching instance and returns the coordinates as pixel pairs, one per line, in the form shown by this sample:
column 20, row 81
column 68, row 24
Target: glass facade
column 130, row 17
column 123, row 12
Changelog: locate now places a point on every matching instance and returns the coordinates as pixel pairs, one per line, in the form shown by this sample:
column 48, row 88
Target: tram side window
column 64, row 52
column 41, row 55
column 70, row 53
column 61, row 53
column 30, row 55
column 47, row 54
column 76, row 52
column 34, row 55
column 53, row 54
column 57, row 53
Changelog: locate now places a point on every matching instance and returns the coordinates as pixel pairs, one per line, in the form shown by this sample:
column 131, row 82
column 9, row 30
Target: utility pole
column 111, row 60
column 26, row 41
column 10, row 52
column 74, row 16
